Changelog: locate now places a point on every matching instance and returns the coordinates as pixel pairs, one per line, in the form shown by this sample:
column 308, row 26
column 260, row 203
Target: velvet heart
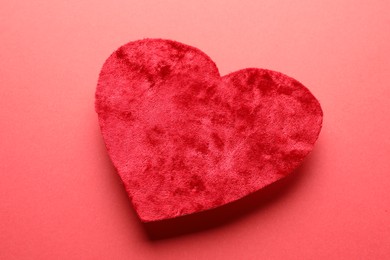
column 184, row 139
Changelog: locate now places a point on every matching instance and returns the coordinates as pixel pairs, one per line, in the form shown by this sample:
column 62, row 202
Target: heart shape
column 184, row 139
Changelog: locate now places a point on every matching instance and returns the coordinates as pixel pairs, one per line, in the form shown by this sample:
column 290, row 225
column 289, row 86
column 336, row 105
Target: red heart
column 184, row 139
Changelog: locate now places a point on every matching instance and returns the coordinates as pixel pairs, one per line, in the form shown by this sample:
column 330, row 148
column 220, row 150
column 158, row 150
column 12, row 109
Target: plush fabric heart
column 184, row 139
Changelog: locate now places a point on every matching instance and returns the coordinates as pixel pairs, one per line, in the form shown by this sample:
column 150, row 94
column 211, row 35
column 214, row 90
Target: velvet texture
column 184, row 139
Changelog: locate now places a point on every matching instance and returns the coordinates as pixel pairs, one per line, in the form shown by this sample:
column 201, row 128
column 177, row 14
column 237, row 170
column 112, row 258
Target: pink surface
column 60, row 196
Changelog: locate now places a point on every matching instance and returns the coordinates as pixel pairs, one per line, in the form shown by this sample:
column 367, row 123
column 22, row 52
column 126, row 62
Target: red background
column 60, row 196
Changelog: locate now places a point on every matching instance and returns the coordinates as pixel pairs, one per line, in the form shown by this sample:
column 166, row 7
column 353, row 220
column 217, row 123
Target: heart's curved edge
column 278, row 74
column 144, row 41
column 156, row 40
